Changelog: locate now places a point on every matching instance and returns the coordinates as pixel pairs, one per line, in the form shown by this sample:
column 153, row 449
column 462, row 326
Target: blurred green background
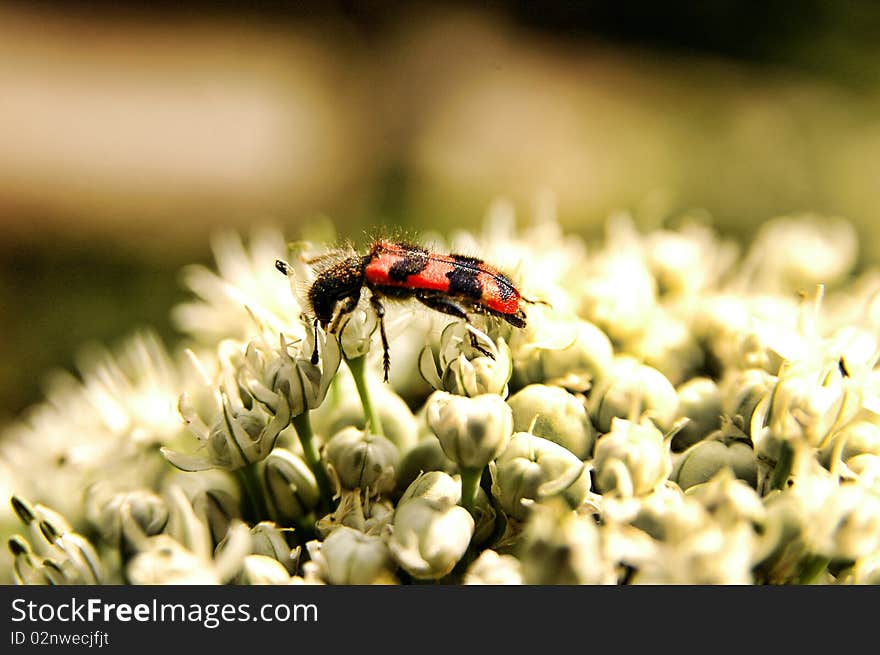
column 128, row 135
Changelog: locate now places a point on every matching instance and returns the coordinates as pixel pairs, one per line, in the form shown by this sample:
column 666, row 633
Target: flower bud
column 166, row 561
column 490, row 568
column 562, row 547
column 669, row 515
column 811, row 405
column 457, row 367
column 285, row 377
column 700, row 401
column 472, row 431
column 356, row 335
column 580, row 355
column 350, row 557
column 127, row 518
column 481, row 375
column 712, row 555
column 729, row 500
column 435, row 485
column 238, row 435
column 700, row 462
column 361, row 460
column 631, row 390
column 262, row 570
column 186, row 525
column 554, row 414
column 741, row 392
column 217, row 509
column 425, row 456
column 801, row 519
column 851, row 518
column 430, row 536
column 532, row 469
column 631, row 459
column 291, row 486
column 269, row 539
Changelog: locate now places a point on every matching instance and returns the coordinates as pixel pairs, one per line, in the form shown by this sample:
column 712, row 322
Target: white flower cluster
column 674, row 412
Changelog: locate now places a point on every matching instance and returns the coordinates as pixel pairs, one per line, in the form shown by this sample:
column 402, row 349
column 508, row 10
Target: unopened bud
column 291, row 486
column 435, row 485
column 631, row 459
column 262, row 570
column 490, row 568
column 362, row 460
column 562, row 547
column 425, row 456
column 532, row 469
column 472, row 431
column 430, row 536
column 700, row 462
column 351, row 557
column 631, row 390
column 554, row 414
column 699, row 399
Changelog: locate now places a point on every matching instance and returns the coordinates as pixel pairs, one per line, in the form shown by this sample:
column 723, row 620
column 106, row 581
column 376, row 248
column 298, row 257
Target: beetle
column 457, row 285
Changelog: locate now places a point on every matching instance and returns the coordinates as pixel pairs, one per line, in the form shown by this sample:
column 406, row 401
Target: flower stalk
column 470, row 485
column 357, row 366
column 303, row 425
column 253, row 498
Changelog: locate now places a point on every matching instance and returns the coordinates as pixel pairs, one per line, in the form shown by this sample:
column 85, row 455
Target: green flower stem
column 303, row 425
column 470, row 484
column 357, row 366
column 253, row 498
column 783, row 466
column 811, row 568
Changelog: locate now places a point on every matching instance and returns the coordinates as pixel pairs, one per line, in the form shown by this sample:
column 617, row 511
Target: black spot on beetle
column 470, row 262
column 463, row 279
column 412, row 263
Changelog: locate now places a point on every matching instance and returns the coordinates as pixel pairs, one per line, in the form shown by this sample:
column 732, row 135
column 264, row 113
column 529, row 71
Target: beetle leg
column 516, row 320
column 347, row 307
column 453, row 308
column 380, row 313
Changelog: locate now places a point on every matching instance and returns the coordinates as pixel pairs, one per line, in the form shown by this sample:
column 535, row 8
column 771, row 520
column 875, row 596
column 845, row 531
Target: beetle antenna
column 535, row 302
